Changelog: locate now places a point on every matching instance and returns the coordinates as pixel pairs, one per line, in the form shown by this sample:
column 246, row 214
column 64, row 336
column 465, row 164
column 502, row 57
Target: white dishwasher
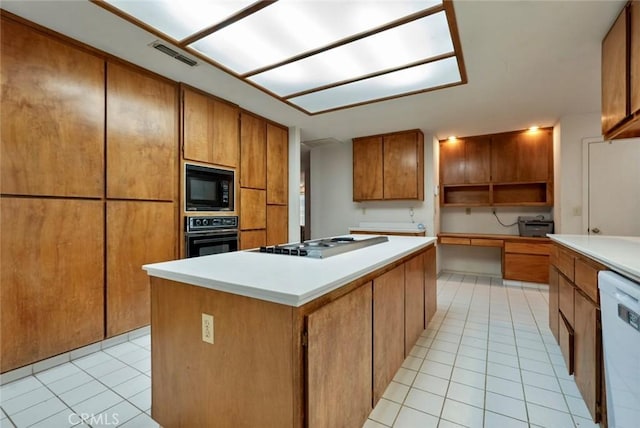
column 620, row 306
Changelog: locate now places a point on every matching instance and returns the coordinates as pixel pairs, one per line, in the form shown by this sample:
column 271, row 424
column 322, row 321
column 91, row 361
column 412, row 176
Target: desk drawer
column 482, row 242
column 455, row 241
column 527, row 248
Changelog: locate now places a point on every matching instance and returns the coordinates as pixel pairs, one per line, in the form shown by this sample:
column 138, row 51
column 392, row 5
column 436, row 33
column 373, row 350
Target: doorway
column 612, row 187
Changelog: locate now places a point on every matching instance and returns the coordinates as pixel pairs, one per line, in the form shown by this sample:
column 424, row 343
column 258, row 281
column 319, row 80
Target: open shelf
column 520, row 194
column 466, row 195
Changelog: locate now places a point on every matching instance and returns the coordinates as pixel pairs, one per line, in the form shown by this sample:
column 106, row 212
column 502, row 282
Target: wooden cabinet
column 253, row 148
column 277, row 224
column 253, row 209
column 367, row 169
column 388, row 328
column 211, row 129
column 277, row 165
column 340, row 347
column 253, row 239
column 389, row 166
column 578, row 324
column 142, row 135
column 430, row 285
column 509, row 169
column 52, row 277
column 526, row 261
column 138, row 233
column 52, row 115
column 621, row 74
column 414, row 301
column 465, row 160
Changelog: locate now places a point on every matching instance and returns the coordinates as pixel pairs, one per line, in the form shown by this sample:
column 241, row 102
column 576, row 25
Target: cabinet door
column 277, row 165
column 250, row 239
column 413, row 302
column 253, row 209
column 138, row 233
column 477, row 160
column 521, row 156
column 142, row 142
column 401, row 169
column 210, row 129
column 614, row 74
column 635, row 57
column 388, row 328
column 526, row 267
column 452, row 162
column 367, row 169
column 504, row 158
column 565, row 299
column 587, row 352
column 253, row 152
column 277, row 224
column 430, row 285
column 51, row 279
column 553, row 301
column 52, row 115
column 339, row 361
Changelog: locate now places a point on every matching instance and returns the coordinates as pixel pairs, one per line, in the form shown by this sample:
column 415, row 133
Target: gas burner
column 322, row 248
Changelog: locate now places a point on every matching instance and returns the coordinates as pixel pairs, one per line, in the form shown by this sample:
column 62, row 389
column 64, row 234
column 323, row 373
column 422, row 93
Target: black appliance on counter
column 323, row 248
column 205, row 235
column 534, row 226
column 208, row 189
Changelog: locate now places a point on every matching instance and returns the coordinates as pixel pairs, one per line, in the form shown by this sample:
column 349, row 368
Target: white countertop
column 288, row 280
column 391, row 227
column 619, row 253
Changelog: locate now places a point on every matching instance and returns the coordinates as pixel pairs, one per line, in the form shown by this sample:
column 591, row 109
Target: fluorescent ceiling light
column 316, row 55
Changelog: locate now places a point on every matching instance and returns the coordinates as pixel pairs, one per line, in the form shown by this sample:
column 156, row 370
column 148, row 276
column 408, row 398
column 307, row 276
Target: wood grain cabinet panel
column 586, row 278
column 526, row 267
column 253, row 209
column 566, row 299
column 528, row 248
column 566, row 342
column 553, row 301
column 277, row 224
column 367, row 168
column 52, row 115
column 614, row 74
column 211, row 129
column 253, row 151
column 414, row 277
column 566, row 262
column 430, row 285
column 452, row 161
column 524, row 156
column 465, row 160
column 250, row 239
column 587, row 348
column 138, row 233
column 277, row 165
column 388, row 328
column 142, row 135
column 403, row 171
column 339, row 361
column 51, row 281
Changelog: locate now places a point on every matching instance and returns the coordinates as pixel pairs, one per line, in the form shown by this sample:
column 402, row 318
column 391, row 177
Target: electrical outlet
column 467, row 211
column 207, row 328
column 493, row 210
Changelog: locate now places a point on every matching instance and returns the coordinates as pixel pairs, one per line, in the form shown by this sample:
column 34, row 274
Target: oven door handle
column 212, row 240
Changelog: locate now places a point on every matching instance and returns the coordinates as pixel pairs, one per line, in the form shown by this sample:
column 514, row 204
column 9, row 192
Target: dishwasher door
column 620, row 306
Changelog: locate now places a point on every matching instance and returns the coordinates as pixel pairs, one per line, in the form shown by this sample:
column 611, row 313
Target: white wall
column 332, row 208
column 294, row 184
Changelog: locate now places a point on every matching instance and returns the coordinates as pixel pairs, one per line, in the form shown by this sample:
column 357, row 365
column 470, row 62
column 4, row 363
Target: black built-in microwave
column 208, row 189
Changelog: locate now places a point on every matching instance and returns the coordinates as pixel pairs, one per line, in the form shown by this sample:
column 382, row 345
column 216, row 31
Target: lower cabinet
column 277, row 224
column 553, row 301
column 526, row 261
column 413, row 301
column 339, row 361
column 388, row 328
column 51, row 277
column 430, row 285
column 138, row 233
column 587, row 349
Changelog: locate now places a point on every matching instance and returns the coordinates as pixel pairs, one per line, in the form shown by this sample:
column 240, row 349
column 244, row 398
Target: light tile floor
column 487, row 359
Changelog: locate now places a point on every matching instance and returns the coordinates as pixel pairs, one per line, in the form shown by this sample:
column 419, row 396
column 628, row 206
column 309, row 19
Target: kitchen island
column 297, row 341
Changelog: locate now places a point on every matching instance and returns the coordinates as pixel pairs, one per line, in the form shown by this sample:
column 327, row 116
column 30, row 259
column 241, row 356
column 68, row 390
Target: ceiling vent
column 173, row 53
column 322, row 142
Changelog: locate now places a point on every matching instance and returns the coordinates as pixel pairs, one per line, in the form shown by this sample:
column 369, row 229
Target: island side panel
column 244, row 379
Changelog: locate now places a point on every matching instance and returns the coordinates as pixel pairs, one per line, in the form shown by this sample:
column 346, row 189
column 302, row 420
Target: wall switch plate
column 207, row 328
column 576, row 211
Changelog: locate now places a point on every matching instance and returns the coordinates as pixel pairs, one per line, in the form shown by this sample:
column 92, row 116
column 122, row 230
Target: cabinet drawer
column 565, row 299
column 455, row 241
column 487, row 242
column 527, row 248
column 553, row 255
column 565, row 263
column 526, row 267
column 565, row 333
column 586, row 278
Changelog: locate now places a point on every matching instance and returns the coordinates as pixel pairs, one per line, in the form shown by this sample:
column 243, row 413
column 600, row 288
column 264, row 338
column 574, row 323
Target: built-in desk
column 523, row 258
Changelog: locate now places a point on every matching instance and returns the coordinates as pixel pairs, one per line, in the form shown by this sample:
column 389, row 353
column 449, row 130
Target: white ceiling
column 528, row 62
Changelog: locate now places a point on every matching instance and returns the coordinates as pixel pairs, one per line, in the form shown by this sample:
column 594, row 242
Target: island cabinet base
column 274, row 365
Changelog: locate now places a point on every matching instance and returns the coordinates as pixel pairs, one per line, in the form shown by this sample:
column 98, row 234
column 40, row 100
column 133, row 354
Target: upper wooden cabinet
column 465, row 160
column 253, row 149
column 277, row 165
column 211, row 129
column 510, row 169
column 142, row 135
column 389, row 166
column 621, row 75
column 52, row 114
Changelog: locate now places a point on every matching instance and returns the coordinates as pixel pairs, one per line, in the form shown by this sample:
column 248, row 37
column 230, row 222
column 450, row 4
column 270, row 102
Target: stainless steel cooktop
column 322, row 248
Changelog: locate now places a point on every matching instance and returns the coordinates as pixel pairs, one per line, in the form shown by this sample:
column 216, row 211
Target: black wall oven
column 208, row 189
column 210, row 235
